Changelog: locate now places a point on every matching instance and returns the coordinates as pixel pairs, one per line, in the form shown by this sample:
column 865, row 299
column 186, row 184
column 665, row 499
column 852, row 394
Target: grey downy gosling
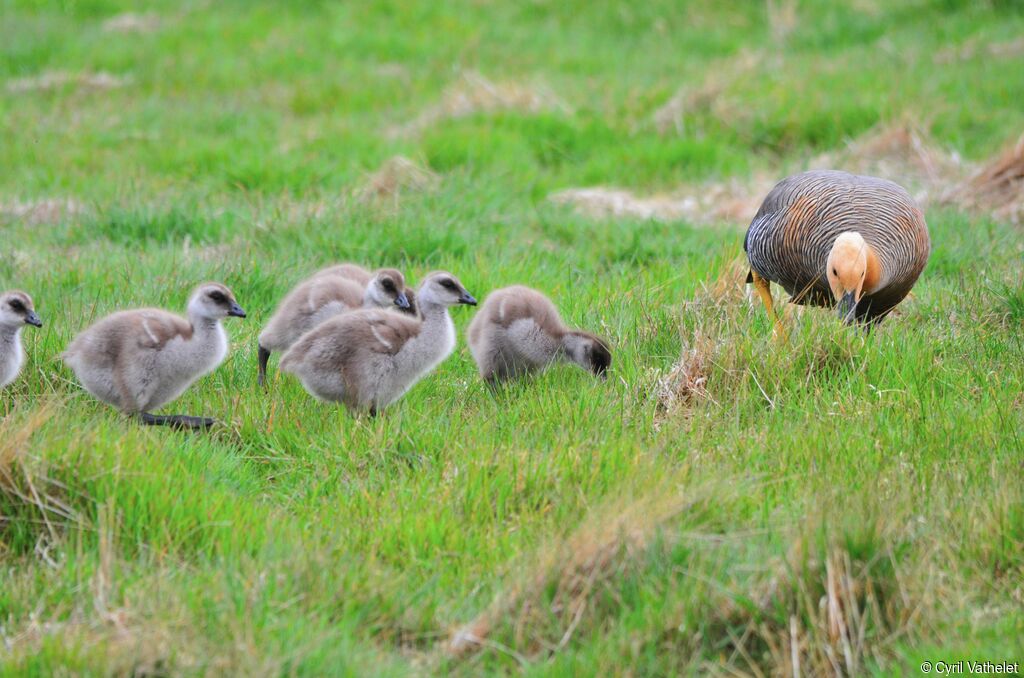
column 360, row 275
column 324, row 295
column 142, row 359
column 518, row 331
column 16, row 311
column 368, row 359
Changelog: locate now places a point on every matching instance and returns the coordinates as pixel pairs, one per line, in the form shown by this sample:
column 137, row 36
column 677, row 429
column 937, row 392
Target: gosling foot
column 178, row 421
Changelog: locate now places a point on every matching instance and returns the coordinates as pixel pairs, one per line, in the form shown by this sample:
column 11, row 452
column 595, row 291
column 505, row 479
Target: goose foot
column 178, row 421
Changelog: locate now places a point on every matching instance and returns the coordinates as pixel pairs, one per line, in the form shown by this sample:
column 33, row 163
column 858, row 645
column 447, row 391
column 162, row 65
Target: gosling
column 358, row 274
column 143, row 359
column 518, row 331
column 16, row 311
column 368, row 359
column 324, row 295
column 856, row 243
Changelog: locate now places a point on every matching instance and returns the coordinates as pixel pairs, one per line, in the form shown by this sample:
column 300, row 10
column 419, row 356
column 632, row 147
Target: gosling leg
column 264, row 356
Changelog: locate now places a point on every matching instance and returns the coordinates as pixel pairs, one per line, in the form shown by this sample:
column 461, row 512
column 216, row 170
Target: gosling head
column 589, row 352
column 16, row 310
column 443, row 289
column 214, row 301
column 388, row 288
column 846, row 269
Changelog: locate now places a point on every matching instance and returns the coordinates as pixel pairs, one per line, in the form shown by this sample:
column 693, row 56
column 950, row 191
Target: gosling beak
column 847, row 307
column 236, row 311
column 467, row 298
column 402, row 301
column 33, row 319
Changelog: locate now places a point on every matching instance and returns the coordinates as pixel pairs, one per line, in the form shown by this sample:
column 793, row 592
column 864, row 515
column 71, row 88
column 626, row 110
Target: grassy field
column 829, row 502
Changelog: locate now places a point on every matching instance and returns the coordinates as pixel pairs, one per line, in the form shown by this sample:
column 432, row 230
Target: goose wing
column 153, row 328
column 385, row 332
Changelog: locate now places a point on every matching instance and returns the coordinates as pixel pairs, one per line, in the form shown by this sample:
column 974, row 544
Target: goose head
column 16, row 310
column 589, row 352
column 387, row 288
column 443, row 289
column 213, row 301
column 846, row 269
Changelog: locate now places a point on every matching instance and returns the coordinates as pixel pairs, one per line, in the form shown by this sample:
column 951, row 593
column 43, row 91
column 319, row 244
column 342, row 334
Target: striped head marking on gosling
column 443, row 289
column 850, row 265
column 213, row 301
column 387, row 288
column 16, row 310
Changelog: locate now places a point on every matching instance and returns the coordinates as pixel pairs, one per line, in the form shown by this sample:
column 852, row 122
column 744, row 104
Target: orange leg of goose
column 764, row 290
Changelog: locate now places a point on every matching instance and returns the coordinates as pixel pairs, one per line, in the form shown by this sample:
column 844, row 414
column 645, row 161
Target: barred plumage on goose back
column 792, row 241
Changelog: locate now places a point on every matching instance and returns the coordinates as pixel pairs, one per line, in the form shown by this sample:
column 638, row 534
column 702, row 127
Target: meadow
column 728, row 502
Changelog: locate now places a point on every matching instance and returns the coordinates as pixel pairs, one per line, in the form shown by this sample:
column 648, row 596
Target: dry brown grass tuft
column 826, row 607
column 473, row 93
column 709, row 96
column 297, row 211
column 1009, row 49
column 56, row 79
column 603, row 202
column 567, row 577
column 687, row 381
column 219, row 252
column 132, row 22
column 998, row 187
column 396, row 176
column 782, row 18
column 24, row 486
column 732, row 201
column 729, row 288
column 833, row 614
column 45, row 211
column 903, row 152
column 130, row 643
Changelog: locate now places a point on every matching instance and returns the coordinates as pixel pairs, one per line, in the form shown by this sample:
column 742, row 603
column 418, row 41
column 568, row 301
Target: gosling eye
column 835, row 272
column 16, row 305
column 388, row 285
column 217, row 297
column 450, row 284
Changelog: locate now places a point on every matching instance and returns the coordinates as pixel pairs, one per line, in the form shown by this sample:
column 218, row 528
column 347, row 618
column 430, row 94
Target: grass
column 838, row 502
